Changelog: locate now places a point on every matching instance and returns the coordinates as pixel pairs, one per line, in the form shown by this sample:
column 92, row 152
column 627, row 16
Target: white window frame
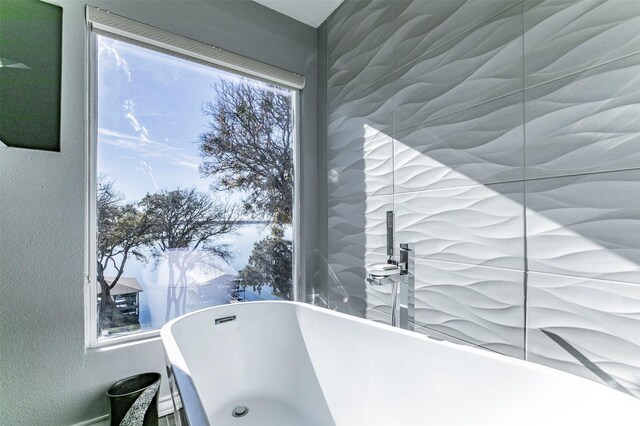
column 133, row 32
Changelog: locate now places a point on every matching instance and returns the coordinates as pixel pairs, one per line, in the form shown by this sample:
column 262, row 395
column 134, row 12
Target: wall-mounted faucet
column 398, row 275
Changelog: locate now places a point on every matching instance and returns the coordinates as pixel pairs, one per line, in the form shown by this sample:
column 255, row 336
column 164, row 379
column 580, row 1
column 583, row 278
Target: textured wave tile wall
column 484, row 144
column 481, row 65
column 368, row 115
column 359, row 152
column 378, row 316
column 566, row 36
column 365, row 168
column 358, row 225
column 445, row 92
column 424, row 25
column 348, row 291
column 586, row 122
column 589, row 319
column 476, row 304
column 356, row 239
column 586, row 225
column 360, row 47
column 482, row 224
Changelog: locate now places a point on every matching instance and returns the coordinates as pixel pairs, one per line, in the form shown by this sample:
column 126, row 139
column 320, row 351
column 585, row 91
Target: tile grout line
column 489, row 184
column 595, row 172
column 325, row 256
column 393, row 141
column 525, row 281
column 588, row 68
column 449, row 114
column 451, row 262
column 610, row 280
column 502, row 268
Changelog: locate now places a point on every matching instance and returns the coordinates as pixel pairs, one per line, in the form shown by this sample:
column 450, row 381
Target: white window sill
column 124, row 341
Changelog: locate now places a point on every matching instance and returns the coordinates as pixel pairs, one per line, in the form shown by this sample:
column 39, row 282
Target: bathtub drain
column 240, row 411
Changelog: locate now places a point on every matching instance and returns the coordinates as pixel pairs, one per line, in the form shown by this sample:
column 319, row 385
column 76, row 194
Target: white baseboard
column 165, row 407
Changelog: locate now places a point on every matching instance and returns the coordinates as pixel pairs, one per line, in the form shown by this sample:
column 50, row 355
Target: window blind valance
column 109, row 23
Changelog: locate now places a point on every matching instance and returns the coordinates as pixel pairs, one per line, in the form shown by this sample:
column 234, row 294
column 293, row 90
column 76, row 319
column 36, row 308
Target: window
column 192, row 188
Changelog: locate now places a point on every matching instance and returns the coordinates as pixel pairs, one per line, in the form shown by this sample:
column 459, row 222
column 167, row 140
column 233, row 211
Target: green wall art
column 30, row 70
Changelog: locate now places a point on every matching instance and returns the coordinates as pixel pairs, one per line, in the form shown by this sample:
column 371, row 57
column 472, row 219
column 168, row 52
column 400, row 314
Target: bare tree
column 122, row 233
column 249, row 147
column 186, row 218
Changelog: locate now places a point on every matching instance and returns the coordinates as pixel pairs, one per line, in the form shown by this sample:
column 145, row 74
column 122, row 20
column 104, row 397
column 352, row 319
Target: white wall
column 48, row 377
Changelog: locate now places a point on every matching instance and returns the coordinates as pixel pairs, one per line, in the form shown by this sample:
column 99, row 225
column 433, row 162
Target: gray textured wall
column 505, row 134
column 47, row 375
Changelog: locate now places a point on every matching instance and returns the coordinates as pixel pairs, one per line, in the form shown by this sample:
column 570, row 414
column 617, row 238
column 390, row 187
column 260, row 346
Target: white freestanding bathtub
column 295, row 364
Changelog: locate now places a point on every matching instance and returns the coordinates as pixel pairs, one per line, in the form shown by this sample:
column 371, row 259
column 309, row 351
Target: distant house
column 126, row 295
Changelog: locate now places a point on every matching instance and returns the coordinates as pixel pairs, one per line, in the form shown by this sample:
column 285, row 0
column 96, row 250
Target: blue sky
column 150, row 117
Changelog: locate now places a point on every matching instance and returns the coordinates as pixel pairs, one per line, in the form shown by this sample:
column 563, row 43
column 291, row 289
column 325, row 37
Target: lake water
column 184, row 281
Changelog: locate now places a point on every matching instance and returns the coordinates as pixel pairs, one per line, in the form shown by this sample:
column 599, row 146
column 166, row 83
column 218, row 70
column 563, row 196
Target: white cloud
column 109, row 55
column 149, row 148
column 147, row 170
column 191, row 165
column 142, row 131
